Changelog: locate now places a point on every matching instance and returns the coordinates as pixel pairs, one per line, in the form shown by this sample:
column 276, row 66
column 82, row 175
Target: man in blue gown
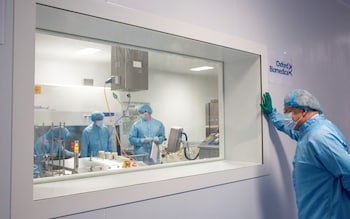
column 95, row 137
column 321, row 164
column 50, row 146
column 146, row 132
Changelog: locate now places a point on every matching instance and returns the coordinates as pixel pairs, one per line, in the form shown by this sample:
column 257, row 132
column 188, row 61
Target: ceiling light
column 88, row 51
column 202, row 68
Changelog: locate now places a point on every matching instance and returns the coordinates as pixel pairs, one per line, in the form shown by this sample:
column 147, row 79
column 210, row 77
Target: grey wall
column 6, row 111
column 225, row 201
column 315, row 33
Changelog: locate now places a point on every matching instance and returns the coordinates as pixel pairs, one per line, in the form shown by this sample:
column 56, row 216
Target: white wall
column 176, row 99
column 315, row 34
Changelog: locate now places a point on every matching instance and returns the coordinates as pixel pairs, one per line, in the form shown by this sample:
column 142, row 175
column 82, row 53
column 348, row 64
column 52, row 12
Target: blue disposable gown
column 142, row 129
column 46, row 145
column 321, row 168
column 95, row 139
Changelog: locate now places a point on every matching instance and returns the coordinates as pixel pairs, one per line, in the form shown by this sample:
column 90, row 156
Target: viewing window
column 72, row 85
column 205, row 95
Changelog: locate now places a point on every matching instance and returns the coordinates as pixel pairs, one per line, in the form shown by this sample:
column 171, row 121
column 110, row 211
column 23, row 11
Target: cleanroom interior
column 72, row 85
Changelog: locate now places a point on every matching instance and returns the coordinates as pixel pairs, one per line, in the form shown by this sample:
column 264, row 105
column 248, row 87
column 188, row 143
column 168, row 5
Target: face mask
column 288, row 121
column 143, row 117
column 99, row 123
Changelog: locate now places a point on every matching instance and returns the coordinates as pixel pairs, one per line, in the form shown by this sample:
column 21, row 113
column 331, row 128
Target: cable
column 127, row 107
column 183, row 133
column 122, row 150
column 186, row 146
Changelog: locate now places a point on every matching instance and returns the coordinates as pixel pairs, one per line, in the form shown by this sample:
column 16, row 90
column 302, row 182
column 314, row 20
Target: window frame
column 216, row 173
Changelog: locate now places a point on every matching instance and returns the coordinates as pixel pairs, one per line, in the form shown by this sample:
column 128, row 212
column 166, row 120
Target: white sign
column 280, row 68
column 2, row 21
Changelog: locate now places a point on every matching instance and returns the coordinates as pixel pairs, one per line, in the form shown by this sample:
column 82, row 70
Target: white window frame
column 171, row 180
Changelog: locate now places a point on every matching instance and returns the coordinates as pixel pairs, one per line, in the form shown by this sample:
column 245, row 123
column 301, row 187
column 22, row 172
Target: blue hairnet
column 97, row 116
column 302, row 99
column 58, row 132
column 145, row 108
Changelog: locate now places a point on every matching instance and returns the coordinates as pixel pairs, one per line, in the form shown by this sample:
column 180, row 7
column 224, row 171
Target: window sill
column 52, row 187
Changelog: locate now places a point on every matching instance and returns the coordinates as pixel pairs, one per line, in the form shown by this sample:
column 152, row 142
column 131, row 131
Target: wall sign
column 2, row 21
column 280, row 68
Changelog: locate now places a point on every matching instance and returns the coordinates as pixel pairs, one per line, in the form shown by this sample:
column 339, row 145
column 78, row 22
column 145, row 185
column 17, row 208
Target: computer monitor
column 174, row 140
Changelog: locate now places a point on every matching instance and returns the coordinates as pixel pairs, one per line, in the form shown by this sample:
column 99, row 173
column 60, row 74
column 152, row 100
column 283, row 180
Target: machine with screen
column 174, row 140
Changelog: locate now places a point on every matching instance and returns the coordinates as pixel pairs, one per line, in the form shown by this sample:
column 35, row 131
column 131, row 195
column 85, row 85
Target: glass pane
column 155, row 69
column 71, row 85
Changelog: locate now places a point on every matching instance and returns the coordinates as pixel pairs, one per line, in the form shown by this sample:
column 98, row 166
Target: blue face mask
column 288, row 121
column 99, row 123
column 143, row 117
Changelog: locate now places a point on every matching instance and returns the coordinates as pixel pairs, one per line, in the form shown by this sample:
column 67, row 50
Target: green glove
column 266, row 104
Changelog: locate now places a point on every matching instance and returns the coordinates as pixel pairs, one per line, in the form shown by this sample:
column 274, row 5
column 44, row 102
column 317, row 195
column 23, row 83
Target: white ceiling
column 58, row 48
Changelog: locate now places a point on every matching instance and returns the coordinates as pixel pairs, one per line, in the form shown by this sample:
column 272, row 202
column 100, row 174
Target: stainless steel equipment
column 129, row 69
column 174, row 140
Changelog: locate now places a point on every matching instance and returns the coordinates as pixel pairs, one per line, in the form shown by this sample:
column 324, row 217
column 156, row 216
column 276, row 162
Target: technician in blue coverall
column 144, row 133
column 321, row 164
column 96, row 137
column 50, row 146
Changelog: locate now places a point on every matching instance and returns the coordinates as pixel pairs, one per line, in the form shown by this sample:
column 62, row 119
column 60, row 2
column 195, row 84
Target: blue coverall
column 321, row 168
column 142, row 129
column 94, row 139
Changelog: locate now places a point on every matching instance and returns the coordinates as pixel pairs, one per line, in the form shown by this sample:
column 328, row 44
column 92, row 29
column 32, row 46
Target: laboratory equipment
column 76, row 155
column 129, row 69
column 175, row 141
column 211, row 117
column 51, row 146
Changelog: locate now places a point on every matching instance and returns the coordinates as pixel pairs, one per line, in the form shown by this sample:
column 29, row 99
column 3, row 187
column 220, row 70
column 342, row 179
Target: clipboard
column 154, row 152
